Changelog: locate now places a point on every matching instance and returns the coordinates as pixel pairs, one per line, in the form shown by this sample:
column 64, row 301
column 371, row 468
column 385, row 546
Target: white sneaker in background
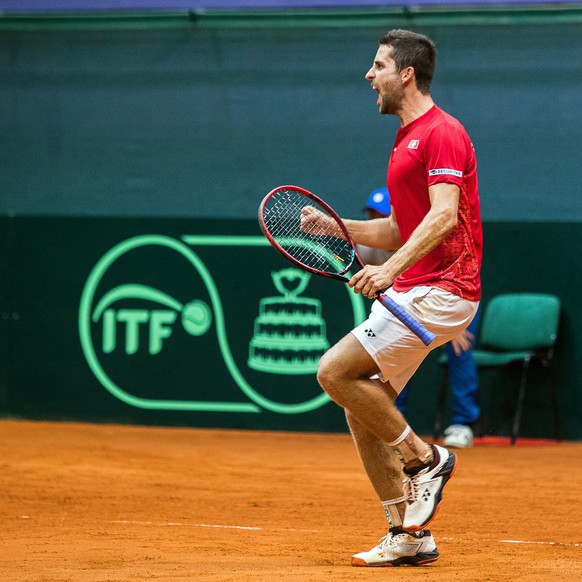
column 458, row 436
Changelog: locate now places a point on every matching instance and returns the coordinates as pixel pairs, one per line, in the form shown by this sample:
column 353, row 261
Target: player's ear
column 407, row 74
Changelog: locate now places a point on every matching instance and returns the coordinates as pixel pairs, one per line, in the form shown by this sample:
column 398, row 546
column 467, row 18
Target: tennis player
column 435, row 226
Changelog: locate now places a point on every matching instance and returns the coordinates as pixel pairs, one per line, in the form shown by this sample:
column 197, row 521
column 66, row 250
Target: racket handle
column 414, row 326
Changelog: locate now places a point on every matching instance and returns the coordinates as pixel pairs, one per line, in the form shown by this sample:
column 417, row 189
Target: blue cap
column 379, row 200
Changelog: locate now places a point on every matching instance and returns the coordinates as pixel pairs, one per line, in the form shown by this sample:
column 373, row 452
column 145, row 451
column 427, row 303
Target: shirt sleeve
column 445, row 155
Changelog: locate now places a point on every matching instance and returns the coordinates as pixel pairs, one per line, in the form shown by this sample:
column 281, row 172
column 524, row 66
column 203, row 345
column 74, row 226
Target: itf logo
column 196, row 318
column 157, row 333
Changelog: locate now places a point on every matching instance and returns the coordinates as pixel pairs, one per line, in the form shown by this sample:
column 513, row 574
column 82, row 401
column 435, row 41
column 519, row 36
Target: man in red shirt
column 435, row 226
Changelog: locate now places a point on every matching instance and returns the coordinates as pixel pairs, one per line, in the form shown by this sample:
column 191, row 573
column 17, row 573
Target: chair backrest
column 520, row 321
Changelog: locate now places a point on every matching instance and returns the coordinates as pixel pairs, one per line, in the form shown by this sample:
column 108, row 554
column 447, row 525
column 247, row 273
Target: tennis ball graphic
column 196, row 317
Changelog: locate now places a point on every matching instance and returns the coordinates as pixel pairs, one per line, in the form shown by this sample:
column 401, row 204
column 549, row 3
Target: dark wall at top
column 201, row 121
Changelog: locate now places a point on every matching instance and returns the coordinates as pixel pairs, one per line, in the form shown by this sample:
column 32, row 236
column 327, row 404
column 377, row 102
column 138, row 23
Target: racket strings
column 307, row 232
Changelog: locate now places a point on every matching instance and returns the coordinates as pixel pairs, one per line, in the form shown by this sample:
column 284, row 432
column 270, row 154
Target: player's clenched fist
column 315, row 222
column 371, row 280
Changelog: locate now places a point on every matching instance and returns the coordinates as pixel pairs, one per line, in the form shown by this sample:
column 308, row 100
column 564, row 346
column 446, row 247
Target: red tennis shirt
column 436, row 148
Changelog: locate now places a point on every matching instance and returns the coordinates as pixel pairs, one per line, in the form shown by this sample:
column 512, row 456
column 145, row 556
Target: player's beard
column 390, row 101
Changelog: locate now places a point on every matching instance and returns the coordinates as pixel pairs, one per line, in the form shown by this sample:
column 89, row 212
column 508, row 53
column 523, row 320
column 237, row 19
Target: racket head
column 323, row 246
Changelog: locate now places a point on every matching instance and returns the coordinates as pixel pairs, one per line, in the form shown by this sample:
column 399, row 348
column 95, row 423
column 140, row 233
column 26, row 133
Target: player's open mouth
column 378, row 101
column 375, row 88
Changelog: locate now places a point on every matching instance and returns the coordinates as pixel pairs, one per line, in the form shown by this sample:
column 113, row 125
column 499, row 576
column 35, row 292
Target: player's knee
column 325, row 371
column 329, row 375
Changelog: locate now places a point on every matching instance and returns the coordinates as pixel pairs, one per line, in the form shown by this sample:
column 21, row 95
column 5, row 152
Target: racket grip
column 414, row 326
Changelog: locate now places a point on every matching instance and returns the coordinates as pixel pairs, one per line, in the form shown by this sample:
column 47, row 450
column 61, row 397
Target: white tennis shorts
column 397, row 351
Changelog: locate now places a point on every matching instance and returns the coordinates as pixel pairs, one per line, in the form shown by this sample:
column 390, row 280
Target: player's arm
column 380, row 233
column 440, row 220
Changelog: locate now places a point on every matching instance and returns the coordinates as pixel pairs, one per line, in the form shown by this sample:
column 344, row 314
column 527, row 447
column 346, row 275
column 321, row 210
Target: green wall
column 153, row 321
column 201, row 117
column 130, row 320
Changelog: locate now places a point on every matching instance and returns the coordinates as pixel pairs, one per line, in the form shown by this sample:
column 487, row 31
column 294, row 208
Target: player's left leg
column 344, row 373
column 378, row 428
column 383, row 468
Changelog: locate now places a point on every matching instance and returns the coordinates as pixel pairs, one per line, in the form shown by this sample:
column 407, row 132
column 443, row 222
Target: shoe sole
column 439, row 495
column 418, row 560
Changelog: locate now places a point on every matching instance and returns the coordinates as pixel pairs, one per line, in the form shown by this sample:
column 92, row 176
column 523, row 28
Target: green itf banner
column 200, row 323
column 170, row 321
column 177, row 323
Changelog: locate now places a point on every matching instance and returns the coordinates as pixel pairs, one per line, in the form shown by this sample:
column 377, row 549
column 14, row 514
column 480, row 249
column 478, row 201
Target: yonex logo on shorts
column 445, row 171
column 370, row 333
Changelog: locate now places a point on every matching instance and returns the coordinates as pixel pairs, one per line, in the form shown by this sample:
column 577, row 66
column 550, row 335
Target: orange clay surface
column 110, row 503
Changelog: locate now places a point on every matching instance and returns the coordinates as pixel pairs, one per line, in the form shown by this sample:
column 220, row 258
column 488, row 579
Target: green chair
column 516, row 327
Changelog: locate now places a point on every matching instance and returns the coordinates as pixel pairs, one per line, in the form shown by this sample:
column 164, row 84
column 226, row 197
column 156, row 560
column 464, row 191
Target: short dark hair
column 410, row 49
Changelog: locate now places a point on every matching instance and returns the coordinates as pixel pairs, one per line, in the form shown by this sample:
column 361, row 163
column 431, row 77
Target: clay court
column 112, row 503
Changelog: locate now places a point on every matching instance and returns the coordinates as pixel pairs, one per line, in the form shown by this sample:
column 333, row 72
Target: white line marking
column 246, row 527
column 252, row 528
column 515, row 542
column 217, row 526
column 541, row 543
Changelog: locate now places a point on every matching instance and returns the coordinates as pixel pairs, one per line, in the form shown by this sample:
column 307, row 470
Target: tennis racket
column 306, row 231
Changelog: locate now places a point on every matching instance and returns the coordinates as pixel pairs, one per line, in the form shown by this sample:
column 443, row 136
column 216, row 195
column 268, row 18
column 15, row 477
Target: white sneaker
column 458, row 436
column 424, row 489
column 399, row 548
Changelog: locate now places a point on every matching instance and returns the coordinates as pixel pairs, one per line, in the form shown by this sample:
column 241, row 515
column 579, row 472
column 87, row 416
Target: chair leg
column 441, row 404
column 479, row 430
column 520, row 399
column 554, row 399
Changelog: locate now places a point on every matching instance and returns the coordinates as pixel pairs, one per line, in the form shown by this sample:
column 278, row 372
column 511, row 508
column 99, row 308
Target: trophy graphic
column 289, row 333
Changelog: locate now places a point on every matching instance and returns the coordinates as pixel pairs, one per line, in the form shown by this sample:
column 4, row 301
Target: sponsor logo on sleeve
column 445, row 172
